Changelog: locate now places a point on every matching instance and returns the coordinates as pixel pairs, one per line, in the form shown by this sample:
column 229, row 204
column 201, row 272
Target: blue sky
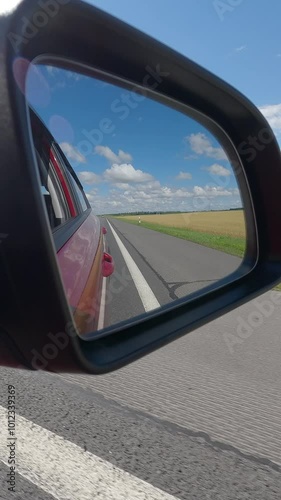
column 240, row 44
column 139, row 155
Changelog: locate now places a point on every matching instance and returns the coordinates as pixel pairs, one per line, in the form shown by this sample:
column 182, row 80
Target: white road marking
column 66, row 471
column 102, row 305
column 103, row 299
column 147, row 296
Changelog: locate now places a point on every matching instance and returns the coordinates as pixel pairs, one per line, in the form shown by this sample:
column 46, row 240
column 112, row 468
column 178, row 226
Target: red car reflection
column 77, row 232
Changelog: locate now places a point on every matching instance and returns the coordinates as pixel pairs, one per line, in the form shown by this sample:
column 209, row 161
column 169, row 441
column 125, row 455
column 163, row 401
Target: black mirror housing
column 36, row 324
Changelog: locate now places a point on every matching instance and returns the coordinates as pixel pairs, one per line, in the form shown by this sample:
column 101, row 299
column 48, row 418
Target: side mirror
column 107, row 265
column 189, row 228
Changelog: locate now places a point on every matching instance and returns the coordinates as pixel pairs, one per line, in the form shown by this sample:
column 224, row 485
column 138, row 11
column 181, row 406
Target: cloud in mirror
column 156, row 179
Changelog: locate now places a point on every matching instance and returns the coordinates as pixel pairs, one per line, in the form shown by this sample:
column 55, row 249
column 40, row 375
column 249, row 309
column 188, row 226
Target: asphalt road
column 172, row 267
column 198, row 419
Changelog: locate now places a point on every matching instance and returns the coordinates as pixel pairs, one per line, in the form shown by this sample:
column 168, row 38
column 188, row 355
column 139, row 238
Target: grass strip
column 228, row 244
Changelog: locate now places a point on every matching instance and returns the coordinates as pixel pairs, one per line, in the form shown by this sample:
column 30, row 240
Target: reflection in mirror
column 142, row 201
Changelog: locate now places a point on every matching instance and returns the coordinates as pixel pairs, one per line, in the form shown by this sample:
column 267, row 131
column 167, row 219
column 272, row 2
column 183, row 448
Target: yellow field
column 226, row 222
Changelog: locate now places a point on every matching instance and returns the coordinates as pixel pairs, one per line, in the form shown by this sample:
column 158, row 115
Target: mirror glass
column 142, row 201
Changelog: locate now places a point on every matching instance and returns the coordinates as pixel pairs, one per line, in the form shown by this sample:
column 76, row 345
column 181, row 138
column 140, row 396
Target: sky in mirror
column 130, row 152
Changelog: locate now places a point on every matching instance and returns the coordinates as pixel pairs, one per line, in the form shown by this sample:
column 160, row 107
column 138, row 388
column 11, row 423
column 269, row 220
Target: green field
column 223, row 230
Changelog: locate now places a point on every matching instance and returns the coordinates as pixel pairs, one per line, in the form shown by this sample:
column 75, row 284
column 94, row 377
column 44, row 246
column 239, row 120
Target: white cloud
column 151, row 185
column 241, row 48
column 52, row 70
column 217, row 169
column 126, row 173
column 71, row 75
column 122, row 185
column 89, row 177
column 183, row 176
column 58, row 72
column 8, row 6
column 237, row 50
column 190, row 157
column 132, row 189
column 72, row 153
column 153, row 196
column 272, row 112
column 90, row 197
column 201, row 145
column 115, row 203
column 124, row 157
column 214, row 191
column 119, row 158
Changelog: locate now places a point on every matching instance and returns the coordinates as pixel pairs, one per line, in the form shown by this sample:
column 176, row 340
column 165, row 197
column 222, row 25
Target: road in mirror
column 142, row 201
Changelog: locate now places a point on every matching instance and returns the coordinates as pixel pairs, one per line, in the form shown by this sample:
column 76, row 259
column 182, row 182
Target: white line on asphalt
column 147, row 296
column 102, row 305
column 103, row 298
column 66, row 471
